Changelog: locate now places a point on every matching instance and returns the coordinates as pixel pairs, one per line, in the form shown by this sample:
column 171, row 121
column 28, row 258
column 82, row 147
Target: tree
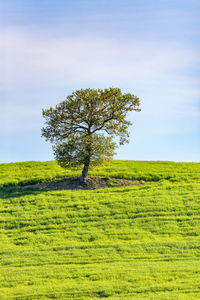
column 83, row 126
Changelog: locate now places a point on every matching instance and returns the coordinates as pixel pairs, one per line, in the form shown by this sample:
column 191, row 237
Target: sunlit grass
column 136, row 242
column 34, row 172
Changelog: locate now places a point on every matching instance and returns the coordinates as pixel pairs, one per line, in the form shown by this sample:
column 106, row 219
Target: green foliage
column 77, row 125
column 73, row 152
column 136, row 242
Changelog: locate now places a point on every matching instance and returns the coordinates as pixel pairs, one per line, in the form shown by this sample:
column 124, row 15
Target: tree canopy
column 83, row 126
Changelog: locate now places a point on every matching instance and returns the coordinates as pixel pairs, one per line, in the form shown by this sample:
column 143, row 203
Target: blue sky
column 149, row 48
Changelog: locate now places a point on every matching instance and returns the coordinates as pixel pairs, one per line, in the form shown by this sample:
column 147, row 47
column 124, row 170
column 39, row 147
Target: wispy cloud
column 31, row 59
column 31, row 56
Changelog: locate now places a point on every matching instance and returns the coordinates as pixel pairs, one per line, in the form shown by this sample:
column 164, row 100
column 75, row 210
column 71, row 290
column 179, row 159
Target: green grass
column 136, row 242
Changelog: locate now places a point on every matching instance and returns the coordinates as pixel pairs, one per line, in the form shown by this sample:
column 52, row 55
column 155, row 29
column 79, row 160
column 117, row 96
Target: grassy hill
column 135, row 242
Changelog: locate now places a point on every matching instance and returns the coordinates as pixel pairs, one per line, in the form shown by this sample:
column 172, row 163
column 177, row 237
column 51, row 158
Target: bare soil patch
column 92, row 183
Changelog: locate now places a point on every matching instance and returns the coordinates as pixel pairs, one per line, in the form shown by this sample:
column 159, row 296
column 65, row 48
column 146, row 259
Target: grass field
column 136, row 242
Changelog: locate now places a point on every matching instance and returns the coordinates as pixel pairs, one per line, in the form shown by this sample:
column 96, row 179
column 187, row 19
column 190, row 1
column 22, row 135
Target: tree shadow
column 19, row 191
column 69, row 183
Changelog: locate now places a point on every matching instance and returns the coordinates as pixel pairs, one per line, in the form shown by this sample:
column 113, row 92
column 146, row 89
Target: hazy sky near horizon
column 149, row 48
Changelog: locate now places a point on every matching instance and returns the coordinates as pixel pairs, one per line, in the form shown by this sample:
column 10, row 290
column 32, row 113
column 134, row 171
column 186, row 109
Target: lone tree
column 83, row 126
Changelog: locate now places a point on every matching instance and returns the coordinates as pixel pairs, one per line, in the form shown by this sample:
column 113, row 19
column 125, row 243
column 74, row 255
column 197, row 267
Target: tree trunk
column 84, row 173
column 87, row 160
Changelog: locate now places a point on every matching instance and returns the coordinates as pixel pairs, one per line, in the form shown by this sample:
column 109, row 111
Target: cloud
column 31, row 56
column 32, row 60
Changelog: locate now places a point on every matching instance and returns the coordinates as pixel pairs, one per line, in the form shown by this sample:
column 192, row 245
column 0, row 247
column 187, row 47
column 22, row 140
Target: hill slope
column 136, row 242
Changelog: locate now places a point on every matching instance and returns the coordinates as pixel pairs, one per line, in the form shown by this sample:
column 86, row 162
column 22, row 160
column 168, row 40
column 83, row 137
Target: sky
column 149, row 48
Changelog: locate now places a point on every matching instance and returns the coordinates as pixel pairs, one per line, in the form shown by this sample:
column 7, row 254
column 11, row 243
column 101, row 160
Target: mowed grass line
column 137, row 242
